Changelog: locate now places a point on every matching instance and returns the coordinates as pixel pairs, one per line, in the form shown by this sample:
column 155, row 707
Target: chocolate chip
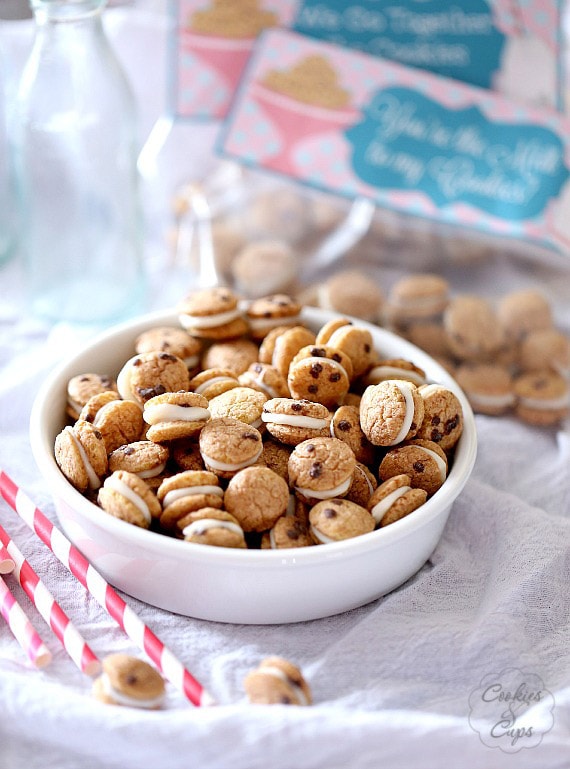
column 258, row 368
column 367, row 348
column 451, row 424
column 165, row 345
column 310, row 448
column 334, row 377
column 137, row 362
column 284, row 700
column 131, row 679
column 105, row 381
column 147, row 393
column 419, row 467
column 313, row 389
column 435, row 420
column 344, row 425
column 167, row 356
column 97, row 434
column 436, row 436
column 336, row 357
column 329, row 512
column 335, row 502
column 250, row 436
column 84, row 379
column 316, row 369
column 316, row 470
column 318, row 352
column 296, row 407
column 293, row 534
column 127, row 450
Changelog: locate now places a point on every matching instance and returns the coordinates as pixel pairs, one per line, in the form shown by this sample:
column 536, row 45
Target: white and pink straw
column 170, row 667
column 22, row 629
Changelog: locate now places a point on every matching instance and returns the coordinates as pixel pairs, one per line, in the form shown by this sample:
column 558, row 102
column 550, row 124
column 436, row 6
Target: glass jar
column 76, row 155
column 8, row 222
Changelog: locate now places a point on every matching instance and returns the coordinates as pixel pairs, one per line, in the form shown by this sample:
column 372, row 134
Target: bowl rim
column 42, row 449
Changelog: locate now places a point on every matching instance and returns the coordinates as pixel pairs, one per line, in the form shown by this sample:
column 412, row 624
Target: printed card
column 349, row 123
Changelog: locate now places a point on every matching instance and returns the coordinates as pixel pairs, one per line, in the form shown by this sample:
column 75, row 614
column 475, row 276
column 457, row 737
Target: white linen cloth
column 393, row 681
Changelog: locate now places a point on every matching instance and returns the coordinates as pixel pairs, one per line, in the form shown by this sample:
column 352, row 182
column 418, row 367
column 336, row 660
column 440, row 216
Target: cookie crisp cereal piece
column 186, row 492
column 321, row 468
column 320, row 374
column 263, row 267
column 488, row 387
column 424, row 461
column 391, row 412
column 143, row 458
column 394, row 499
column 266, row 379
column 126, row 496
column 172, row 416
column 117, row 420
column 235, row 355
column 212, row 313
column 292, row 421
column 520, row 312
column 395, row 368
column 81, row 455
column 211, row 526
column 277, row 681
column 228, row 446
column 268, row 312
column 351, row 292
column 333, row 520
column 82, row 387
column 171, row 339
column 129, row 681
column 212, row 382
column 542, row 398
column 443, row 416
column 353, row 340
column 243, row 403
column 472, row 327
column 151, row 373
column 257, row 497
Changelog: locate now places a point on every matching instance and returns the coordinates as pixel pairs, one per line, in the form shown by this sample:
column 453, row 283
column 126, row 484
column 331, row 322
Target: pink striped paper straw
column 22, row 629
column 170, row 667
column 7, row 564
column 51, row 611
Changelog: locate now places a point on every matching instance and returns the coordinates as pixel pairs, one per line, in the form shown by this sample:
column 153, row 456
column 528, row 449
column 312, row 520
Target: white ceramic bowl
column 241, row 586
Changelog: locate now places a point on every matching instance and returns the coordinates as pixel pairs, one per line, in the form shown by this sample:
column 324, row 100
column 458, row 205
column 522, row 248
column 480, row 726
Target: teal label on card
column 459, row 40
column 407, row 141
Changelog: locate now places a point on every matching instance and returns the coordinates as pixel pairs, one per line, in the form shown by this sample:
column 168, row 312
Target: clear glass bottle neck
column 65, row 11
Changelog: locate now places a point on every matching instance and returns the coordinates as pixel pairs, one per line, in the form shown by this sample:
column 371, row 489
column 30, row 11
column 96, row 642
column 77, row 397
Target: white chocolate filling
column 491, row 401
column 190, row 491
column 431, row 389
column 205, row 524
column 124, row 383
column 116, row 484
column 125, row 699
column 545, row 404
column 381, row 373
column 170, row 412
column 326, row 493
column 294, row 420
column 214, row 380
column 418, row 303
column 152, row 472
column 276, row 672
column 409, row 415
column 271, row 391
column 209, row 321
column 322, row 538
column 94, row 480
column 259, row 323
column 366, row 478
column 228, row 466
column 291, row 505
column 381, row 508
column 438, row 460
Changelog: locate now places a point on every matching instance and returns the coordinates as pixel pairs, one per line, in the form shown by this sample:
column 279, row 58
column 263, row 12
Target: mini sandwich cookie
column 151, row 373
column 395, row 368
column 353, row 340
column 351, row 292
column 521, row 312
column 175, row 415
column 276, row 456
column 420, row 296
column 277, row 682
column 488, row 387
column 542, row 398
column 257, row 497
column 82, row 387
column 546, row 349
column 424, row 461
column 125, row 496
column 186, row 492
column 473, row 329
column 292, row 421
column 171, row 339
column 211, row 526
column 264, row 266
column 212, row 382
column 345, row 425
column 391, row 412
column 443, row 416
column 236, row 355
column 321, row 468
column 117, row 420
column 81, row 455
column 268, row 312
column 266, row 379
column 363, row 485
column 394, row 499
column 288, row 531
column 129, row 681
column 281, row 345
column 185, row 455
column 241, row 403
column 321, row 374
column 212, row 313
column 228, row 446
column 333, row 520
column 143, row 458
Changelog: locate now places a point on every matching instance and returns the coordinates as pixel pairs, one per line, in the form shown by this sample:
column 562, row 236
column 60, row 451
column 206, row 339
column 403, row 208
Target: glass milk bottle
column 76, row 154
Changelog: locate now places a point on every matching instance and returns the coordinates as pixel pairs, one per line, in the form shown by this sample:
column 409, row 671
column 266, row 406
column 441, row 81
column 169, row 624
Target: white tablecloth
column 398, row 683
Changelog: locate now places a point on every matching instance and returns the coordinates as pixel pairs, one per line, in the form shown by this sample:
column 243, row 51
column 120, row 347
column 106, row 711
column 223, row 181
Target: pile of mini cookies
column 242, row 427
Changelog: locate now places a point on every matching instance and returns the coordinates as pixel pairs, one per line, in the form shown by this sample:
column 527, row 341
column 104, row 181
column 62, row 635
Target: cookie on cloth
column 542, row 398
column 391, row 412
column 243, row 403
column 394, row 499
column 82, row 387
column 487, row 386
column 395, row 368
column 126, row 496
column 280, row 212
column 235, row 355
column 333, row 520
column 212, row 313
column 419, row 296
column 473, row 330
column 424, row 461
column 143, row 458
column 268, row 312
column 277, row 681
column 186, row 492
column 172, row 416
column 117, row 420
column 129, row 681
column 212, row 526
column 345, row 425
column 321, row 468
column 321, row 374
column 284, row 347
column 351, row 339
column 545, row 349
column 522, row 311
column 292, row 421
column 257, row 497
column 171, row 339
column 151, row 373
column 363, row 485
column 228, row 446
column 443, row 416
column 212, row 382
column 287, row 531
column 429, row 336
column 264, row 267
column 266, row 379
column 351, row 292
column 81, row 455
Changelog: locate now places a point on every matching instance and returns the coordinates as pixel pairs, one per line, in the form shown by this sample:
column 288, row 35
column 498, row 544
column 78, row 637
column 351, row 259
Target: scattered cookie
column 243, row 403
column 264, row 267
column 520, row 312
column 212, row 382
column 277, row 682
column 143, row 458
column 542, row 398
column 292, row 421
column 186, row 492
column 212, row 313
column 129, row 681
column 345, row 425
column 268, row 312
column 286, row 345
column 118, row 421
column 287, row 531
column 419, row 296
column 352, row 340
column 545, row 349
column 395, row 368
column 443, row 416
column 236, row 355
column 351, row 292
column 266, row 379
column 321, row 374
column 487, row 386
column 473, row 329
